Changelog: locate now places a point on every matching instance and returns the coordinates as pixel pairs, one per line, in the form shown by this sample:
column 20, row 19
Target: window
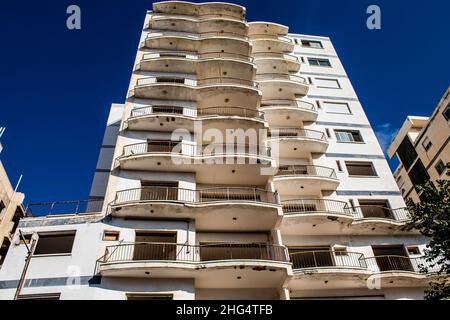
column 149, row 296
column 327, row 83
column 319, row 62
column 42, row 296
column 446, row 113
column 418, row 174
column 407, row 153
column 335, row 107
column 312, row 44
column 340, row 251
column 348, row 136
column 111, row 235
column 427, row 144
column 413, row 250
column 59, row 243
column 440, row 167
column 365, row 169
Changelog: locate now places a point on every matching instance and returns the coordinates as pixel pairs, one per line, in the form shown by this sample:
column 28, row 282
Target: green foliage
column 432, row 218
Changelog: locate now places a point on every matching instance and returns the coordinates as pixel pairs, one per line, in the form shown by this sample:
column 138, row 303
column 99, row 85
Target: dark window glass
column 55, row 243
column 418, row 174
column 446, row 113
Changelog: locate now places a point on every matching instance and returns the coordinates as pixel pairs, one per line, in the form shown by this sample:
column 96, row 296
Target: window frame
column 438, row 164
column 427, row 144
column 348, row 133
column 319, row 60
column 57, row 233
column 339, row 87
column 325, row 103
column 446, row 113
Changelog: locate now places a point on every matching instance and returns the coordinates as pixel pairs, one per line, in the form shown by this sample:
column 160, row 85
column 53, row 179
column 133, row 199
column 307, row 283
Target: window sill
column 52, row 255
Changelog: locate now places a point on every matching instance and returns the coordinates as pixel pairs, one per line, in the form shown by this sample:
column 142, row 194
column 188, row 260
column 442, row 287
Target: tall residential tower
column 241, row 166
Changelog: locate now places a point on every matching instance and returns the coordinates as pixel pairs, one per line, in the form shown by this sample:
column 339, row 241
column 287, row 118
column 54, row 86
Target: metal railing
column 373, row 211
column 153, row 251
column 306, row 170
column 297, row 133
column 389, row 263
column 63, row 207
column 227, row 80
column 195, row 36
column 310, row 206
column 280, row 76
column 192, row 150
column 288, row 103
column 218, row 111
column 210, row 195
column 197, row 56
column 327, row 259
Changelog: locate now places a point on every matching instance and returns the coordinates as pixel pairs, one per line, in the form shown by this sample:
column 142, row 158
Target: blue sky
column 56, row 85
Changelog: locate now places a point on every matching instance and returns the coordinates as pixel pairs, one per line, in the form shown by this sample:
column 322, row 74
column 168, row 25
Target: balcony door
column 218, row 251
column 159, row 190
column 392, row 258
column 311, row 257
column 151, row 245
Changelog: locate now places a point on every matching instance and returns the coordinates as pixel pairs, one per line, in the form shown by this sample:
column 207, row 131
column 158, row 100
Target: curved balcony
column 197, row 35
column 327, row 270
column 195, row 43
column 398, row 271
column 267, row 28
column 170, row 118
column 271, row 43
column 232, row 208
column 192, row 63
column 212, row 163
column 380, row 220
column 226, row 265
column 288, row 112
column 304, row 179
column 267, row 62
column 281, row 86
column 311, row 216
column 198, row 25
column 211, row 91
column 297, row 143
column 204, row 10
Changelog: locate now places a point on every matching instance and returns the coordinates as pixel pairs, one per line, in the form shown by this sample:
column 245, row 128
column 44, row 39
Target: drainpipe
column 27, row 262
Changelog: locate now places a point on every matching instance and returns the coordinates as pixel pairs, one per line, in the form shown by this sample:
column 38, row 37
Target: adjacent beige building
column 422, row 147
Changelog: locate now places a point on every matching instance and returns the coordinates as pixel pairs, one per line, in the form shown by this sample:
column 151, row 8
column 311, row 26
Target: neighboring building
column 305, row 206
column 422, row 148
column 11, row 210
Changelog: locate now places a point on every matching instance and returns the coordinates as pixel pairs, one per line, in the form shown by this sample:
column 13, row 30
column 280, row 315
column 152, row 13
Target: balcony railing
column 311, row 206
column 297, row 133
column 306, row 170
column 280, row 76
column 392, row 263
column 153, row 251
column 286, row 56
column 199, row 35
column 63, row 207
column 373, row 211
column 192, row 150
column 211, row 195
column 327, row 259
column 219, row 111
column 288, row 103
column 194, row 82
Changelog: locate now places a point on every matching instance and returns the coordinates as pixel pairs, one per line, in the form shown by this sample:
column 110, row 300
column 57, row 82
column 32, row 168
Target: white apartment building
column 299, row 204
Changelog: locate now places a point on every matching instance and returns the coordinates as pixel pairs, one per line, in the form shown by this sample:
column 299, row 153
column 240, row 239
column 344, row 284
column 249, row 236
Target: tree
column 431, row 216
